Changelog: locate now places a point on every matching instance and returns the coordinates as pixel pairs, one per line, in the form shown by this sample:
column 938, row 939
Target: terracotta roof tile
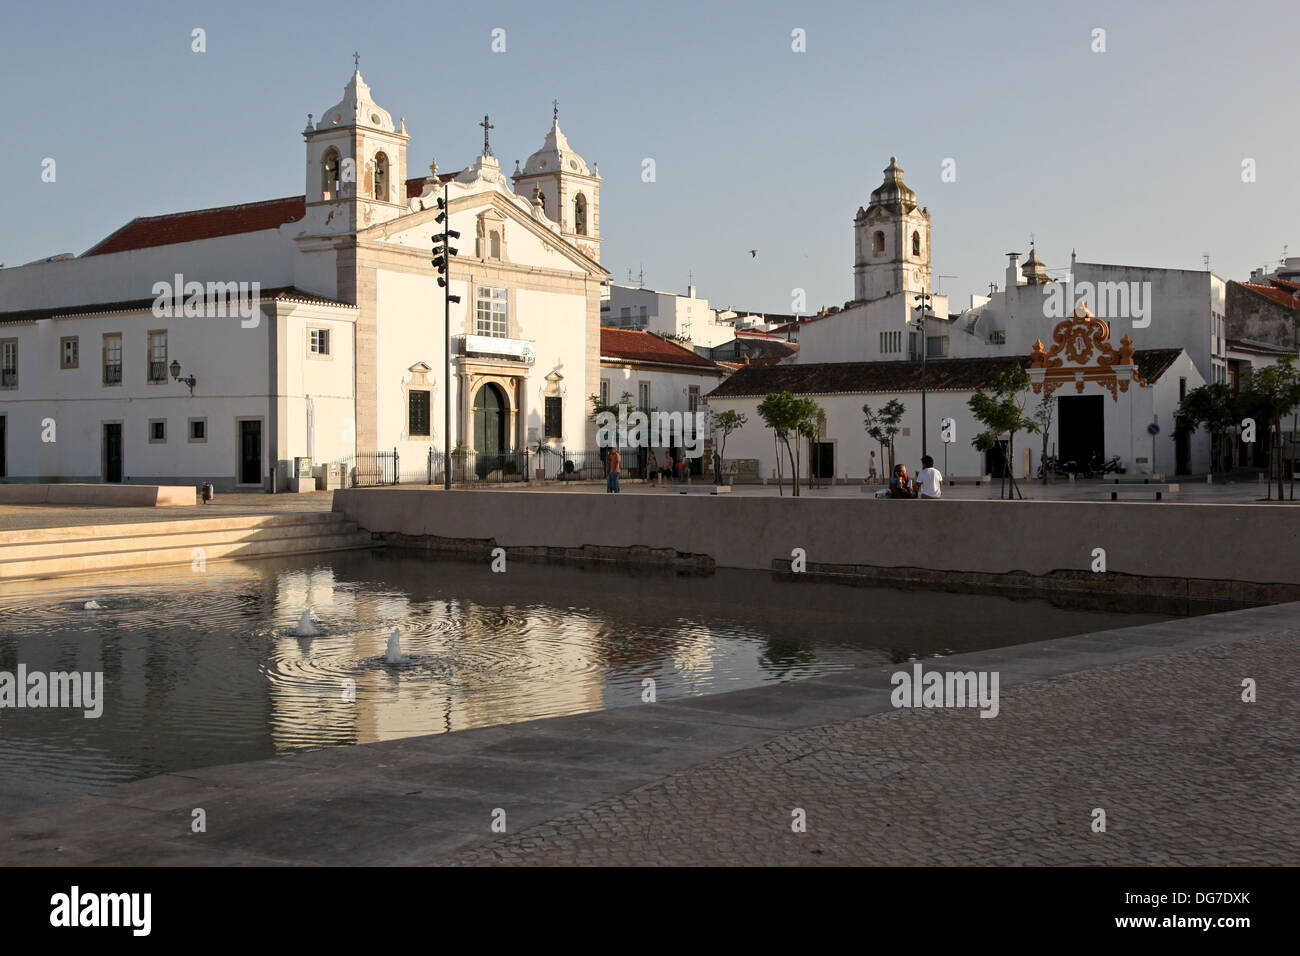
column 634, row 345
column 147, row 231
column 280, row 293
column 961, row 374
column 1279, row 295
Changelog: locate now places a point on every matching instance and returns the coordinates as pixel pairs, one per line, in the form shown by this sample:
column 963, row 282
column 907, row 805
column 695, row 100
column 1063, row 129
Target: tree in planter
column 1271, row 393
column 1214, row 407
column 1043, row 415
column 787, row 415
column 776, row 415
column 725, row 423
column 884, row 427
column 1003, row 413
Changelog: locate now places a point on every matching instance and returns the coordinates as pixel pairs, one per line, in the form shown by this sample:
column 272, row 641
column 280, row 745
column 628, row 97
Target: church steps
column 124, row 549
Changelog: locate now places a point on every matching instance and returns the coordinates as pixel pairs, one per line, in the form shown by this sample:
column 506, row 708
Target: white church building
column 1131, row 341
column 222, row 344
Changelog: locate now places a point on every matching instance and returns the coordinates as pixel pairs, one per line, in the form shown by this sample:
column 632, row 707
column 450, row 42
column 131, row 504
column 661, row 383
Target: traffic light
column 442, row 248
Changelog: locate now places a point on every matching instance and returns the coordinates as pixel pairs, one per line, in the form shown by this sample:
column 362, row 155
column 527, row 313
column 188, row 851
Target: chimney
column 1013, row 269
column 690, row 291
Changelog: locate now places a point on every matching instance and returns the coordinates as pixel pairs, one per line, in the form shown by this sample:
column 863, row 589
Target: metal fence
column 370, row 469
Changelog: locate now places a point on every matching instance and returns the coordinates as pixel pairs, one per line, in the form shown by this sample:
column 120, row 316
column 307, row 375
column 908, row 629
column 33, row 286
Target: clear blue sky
column 1130, row 156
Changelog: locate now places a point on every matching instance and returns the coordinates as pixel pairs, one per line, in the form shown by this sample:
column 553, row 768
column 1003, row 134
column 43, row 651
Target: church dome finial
column 357, row 108
column 893, row 191
column 556, row 155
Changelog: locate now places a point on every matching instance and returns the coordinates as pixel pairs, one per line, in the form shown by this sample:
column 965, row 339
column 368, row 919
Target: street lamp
column 189, row 380
column 442, row 253
column 923, row 300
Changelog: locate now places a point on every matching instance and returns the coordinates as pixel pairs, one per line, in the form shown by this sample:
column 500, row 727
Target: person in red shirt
column 614, row 462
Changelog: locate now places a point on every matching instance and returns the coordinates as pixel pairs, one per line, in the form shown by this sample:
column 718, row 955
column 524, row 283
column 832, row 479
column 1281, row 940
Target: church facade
column 220, row 345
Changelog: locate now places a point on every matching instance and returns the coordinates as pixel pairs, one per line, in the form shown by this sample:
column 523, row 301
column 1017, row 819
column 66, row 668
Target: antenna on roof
column 1206, row 259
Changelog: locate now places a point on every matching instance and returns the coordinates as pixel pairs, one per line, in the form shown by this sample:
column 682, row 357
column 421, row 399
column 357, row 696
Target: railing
column 9, row 378
column 370, row 469
column 157, row 372
column 113, row 374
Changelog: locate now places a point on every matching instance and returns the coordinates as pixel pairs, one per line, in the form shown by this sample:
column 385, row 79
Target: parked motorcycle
column 1111, row 465
column 1059, row 468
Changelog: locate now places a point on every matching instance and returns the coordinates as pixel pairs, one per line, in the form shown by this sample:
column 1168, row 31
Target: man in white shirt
column 930, row 478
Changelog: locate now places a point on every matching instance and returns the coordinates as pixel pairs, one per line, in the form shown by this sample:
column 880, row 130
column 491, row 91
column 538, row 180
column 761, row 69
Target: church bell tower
column 356, row 164
column 891, row 241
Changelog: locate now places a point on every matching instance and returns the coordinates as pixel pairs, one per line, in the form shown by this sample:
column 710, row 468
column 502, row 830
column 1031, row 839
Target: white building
column 660, row 376
column 1103, row 399
column 337, row 347
column 1157, row 308
column 687, row 317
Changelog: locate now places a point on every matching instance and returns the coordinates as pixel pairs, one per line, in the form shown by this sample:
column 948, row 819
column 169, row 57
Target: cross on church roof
column 356, row 61
column 556, row 105
column 487, row 149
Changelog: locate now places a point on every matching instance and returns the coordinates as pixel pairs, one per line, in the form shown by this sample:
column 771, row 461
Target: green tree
column 1271, row 393
column 1003, row 413
column 725, row 423
column 786, row 416
column 1043, row 416
column 884, row 427
column 1214, row 407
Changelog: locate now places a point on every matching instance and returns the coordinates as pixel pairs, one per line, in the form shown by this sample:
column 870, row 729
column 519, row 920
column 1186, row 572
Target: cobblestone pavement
column 1186, row 772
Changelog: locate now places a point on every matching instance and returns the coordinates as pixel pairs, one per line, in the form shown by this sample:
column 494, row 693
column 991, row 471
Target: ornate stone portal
column 1081, row 352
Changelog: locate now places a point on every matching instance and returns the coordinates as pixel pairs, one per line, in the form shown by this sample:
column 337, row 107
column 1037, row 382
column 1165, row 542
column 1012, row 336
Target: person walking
column 930, row 480
column 614, row 461
column 652, row 468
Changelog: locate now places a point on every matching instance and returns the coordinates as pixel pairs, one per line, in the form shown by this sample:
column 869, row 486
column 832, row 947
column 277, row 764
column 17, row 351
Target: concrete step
column 122, row 560
column 132, row 529
column 103, row 543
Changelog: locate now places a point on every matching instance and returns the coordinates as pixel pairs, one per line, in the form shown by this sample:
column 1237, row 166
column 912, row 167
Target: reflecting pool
column 207, row 668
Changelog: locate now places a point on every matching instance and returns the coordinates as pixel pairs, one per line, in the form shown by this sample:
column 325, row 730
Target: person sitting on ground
column 900, row 485
column 929, row 479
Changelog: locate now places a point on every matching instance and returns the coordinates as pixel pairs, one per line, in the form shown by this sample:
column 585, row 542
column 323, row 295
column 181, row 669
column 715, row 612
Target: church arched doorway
column 490, row 415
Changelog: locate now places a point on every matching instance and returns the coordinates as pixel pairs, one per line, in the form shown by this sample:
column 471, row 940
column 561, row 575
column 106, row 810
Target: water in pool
column 249, row 660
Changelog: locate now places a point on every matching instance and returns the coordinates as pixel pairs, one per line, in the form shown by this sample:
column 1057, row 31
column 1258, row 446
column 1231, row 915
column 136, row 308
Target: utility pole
column 923, row 300
column 442, row 253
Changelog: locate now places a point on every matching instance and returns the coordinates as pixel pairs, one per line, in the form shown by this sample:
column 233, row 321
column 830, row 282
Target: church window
column 554, row 416
column 381, row 177
column 580, row 215
column 878, row 242
column 916, row 243
column 417, row 402
column 490, row 312
column 330, row 175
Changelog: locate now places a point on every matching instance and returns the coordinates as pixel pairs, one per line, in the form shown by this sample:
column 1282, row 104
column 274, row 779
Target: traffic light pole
column 446, row 376
column 442, row 253
column 924, row 300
